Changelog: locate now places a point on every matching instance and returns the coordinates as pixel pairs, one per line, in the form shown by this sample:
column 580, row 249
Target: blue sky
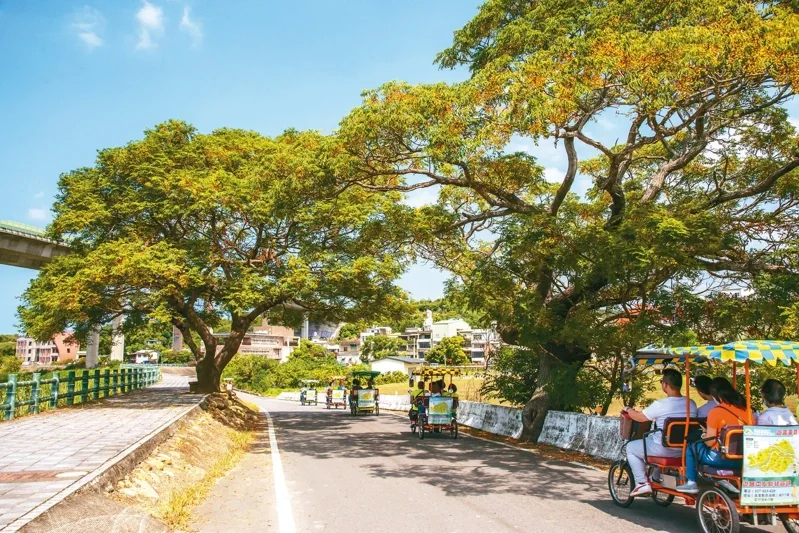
column 80, row 76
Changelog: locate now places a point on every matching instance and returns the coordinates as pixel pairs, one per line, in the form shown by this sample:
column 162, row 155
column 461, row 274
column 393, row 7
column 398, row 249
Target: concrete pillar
column 117, row 339
column 177, row 339
column 93, row 347
column 305, row 327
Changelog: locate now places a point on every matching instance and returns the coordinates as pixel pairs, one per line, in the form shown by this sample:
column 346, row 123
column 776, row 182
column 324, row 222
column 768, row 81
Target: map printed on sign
column 770, row 467
column 440, row 410
column 366, row 398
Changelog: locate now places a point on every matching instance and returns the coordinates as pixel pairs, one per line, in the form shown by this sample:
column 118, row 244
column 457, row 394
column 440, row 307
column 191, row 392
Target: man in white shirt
column 702, row 384
column 673, row 406
column 776, row 414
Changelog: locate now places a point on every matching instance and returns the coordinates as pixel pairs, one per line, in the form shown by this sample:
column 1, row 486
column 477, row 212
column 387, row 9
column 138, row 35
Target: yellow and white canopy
column 771, row 352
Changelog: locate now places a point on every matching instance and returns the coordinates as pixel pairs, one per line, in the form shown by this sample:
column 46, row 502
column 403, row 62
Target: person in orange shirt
column 730, row 411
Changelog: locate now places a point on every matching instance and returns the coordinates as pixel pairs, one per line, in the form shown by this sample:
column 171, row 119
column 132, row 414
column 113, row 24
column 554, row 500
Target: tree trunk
column 209, row 369
column 535, row 411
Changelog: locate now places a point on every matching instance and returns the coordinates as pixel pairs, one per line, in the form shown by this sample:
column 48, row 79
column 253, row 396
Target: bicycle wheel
column 620, row 483
column 661, row 499
column 717, row 512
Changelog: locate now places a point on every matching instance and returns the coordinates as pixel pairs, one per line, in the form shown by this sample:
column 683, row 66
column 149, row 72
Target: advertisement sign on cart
column 440, row 411
column 366, row 398
column 338, row 395
column 770, row 466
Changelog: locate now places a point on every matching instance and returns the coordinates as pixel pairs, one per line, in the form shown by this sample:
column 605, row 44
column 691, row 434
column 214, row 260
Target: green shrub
column 391, row 377
column 10, row 365
column 177, row 357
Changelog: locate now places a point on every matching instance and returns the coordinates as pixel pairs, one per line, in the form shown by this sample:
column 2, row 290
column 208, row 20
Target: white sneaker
column 643, row 489
column 689, row 487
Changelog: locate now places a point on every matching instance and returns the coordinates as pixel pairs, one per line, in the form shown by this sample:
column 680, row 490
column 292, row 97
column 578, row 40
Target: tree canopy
column 381, row 346
column 189, row 229
column 449, row 351
column 694, row 188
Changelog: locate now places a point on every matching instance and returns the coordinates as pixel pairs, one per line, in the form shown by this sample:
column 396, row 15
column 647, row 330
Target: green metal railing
column 64, row 388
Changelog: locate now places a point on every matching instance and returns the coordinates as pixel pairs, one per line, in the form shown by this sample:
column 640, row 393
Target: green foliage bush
column 177, row 357
column 391, row 377
column 10, row 365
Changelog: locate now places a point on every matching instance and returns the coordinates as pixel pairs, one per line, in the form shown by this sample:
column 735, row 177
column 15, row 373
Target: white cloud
column 554, row 175
column 88, row 24
column 38, row 195
column 794, row 122
column 38, row 214
column 151, row 22
column 193, row 28
column 420, row 197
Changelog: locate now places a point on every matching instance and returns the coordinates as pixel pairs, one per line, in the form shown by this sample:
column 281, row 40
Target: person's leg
column 714, row 458
column 635, row 456
column 695, row 455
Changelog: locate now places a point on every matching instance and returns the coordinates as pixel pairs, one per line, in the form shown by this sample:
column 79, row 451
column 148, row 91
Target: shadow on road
column 468, row 467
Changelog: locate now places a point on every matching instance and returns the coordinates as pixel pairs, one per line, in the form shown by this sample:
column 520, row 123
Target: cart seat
column 664, row 461
column 714, row 471
column 676, row 429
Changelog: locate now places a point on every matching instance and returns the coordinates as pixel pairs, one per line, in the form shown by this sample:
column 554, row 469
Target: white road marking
column 285, row 518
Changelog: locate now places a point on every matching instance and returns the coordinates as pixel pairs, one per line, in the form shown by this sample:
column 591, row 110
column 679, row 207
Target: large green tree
column 189, row 229
column 697, row 182
column 449, row 351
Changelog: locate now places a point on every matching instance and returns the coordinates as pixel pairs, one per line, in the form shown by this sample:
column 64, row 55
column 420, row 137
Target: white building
column 448, row 328
column 146, row 356
column 396, row 364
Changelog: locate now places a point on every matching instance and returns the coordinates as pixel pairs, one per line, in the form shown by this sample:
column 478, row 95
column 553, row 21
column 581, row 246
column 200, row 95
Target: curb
column 112, row 470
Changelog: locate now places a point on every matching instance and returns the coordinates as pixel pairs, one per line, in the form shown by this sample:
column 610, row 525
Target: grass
column 176, row 509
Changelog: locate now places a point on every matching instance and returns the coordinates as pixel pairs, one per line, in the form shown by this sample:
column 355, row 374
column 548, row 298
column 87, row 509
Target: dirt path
column 243, row 500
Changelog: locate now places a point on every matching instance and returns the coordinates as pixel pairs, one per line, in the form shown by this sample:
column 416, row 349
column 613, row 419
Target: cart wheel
column 620, row 483
column 352, row 411
column 454, row 430
column 661, row 499
column 421, row 431
column 716, row 512
column 377, row 410
column 791, row 524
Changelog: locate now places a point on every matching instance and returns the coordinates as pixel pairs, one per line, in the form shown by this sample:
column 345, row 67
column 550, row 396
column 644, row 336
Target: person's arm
column 636, row 415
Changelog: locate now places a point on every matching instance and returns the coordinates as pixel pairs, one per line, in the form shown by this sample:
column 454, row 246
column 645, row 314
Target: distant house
column 146, row 356
column 58, row 349
column 397, row 364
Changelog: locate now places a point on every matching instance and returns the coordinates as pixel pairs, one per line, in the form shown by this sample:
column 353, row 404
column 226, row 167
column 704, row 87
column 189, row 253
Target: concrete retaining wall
column 594, row 435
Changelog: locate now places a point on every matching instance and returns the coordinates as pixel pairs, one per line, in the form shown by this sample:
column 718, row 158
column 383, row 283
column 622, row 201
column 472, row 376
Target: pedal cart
column 436, row 408
column 765, row 488
column 364, row 399
column 308, row 391
column 335, row 393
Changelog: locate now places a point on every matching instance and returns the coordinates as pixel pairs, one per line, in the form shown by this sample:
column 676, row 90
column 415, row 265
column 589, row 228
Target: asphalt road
column 369, row 474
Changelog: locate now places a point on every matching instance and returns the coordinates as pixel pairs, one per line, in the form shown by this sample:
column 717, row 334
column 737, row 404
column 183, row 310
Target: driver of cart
column 415, row 395
column 673, row 405
column 730, row 411
column 776, row 414
column 702, row 384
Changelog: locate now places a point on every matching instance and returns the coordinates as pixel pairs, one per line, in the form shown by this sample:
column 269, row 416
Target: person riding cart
column 741, row 471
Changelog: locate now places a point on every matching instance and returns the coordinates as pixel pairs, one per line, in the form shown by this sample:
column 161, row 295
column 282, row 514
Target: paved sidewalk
column 45, row 458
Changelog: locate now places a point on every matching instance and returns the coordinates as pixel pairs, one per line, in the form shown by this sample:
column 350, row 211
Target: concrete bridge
column 26, row 246
column 22, row 245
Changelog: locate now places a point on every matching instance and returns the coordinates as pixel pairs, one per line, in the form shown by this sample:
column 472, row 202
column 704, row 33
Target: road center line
column 285, row 518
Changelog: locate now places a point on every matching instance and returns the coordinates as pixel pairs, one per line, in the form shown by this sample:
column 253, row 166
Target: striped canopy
column 741, row 351
column 436, row 372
